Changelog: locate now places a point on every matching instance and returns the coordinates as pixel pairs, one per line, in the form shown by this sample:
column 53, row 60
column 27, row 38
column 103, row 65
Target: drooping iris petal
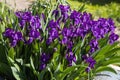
column 35, row 22
column 93, row 45
column 13, row 36
column 34, row 33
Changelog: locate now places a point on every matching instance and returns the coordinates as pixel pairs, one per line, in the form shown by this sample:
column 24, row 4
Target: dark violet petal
column 113, row 37
column 70, row 58
column 87, row 69
column 35, row 22
column 42, row 66
column 75, row 16
column 34, row 33
column 13, row 43
column 64, row 8
column 22, row 23
column 44, row 58
column 93, row 45
column 49, row 40
column 29, row 41
column 64, row 40
column 19, row 14
column 26, row 16
column 55, row 12
column 19, row 34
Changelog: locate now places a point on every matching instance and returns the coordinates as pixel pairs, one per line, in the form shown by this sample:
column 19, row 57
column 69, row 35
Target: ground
column 18, row 4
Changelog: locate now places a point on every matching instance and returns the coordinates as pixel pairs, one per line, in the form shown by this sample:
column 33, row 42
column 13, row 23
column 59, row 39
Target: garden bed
column 53, row 41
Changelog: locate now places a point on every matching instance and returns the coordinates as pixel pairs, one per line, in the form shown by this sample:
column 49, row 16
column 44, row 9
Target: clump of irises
column 66, row 27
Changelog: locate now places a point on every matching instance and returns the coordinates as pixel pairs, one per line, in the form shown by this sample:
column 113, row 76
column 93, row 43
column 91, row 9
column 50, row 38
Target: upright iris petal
column 75, row 16
column 64, row 8
column 64, row 12
column 26, row 16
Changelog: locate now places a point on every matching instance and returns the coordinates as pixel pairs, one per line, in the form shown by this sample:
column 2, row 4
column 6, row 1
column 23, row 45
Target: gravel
column 106, row 75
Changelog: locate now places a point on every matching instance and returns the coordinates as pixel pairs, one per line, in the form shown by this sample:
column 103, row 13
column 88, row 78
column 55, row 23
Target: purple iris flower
column 35, row 22
column 53, row 34
column 34, row 33
column 64, row 8
column 64, row 40
column 86, row 17
column 13, row 43
column 90, row 61
column 26, row 16
column 22, row 23
column 49, row 40
column 67, row 32
column 64, row 12
column 19, row 14
column 44, row 59
column 8, row 32
column 42, row 66
column 87, row 69
column 56, row 13
column 53, row 24
column 23, row 15
column 80, row 32
column 113, row 37
column 75, row 16
column 111, row 25
column 14, row 36
column 70, row 58
column 93, row 45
